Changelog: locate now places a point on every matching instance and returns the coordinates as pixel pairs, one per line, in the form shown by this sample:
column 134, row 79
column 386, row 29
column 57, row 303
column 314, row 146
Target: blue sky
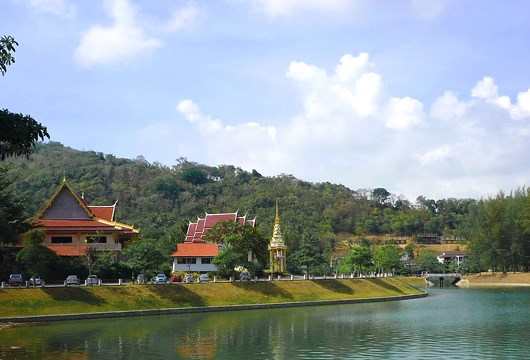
column 419, row 96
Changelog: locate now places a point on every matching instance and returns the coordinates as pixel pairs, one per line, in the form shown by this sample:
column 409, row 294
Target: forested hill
column 161, row 200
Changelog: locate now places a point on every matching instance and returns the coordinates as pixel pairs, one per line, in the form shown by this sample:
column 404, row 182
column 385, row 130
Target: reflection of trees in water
column 247, row 334
column 272, row 334
column 422, row 328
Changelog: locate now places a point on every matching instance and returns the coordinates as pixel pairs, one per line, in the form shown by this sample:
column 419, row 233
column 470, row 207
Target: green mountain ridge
column 160, row 200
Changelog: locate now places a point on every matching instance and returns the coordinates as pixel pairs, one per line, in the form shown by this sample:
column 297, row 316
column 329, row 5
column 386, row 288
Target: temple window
column 61, row 239
column 96, row 239
column 206, row 260
column 186, row 260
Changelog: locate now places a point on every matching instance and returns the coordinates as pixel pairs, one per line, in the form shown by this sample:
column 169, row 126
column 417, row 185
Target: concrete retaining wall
column 200, row 309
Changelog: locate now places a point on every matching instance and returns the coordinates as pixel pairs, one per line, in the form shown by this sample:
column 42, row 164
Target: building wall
column 197, row 267
column 81, row 239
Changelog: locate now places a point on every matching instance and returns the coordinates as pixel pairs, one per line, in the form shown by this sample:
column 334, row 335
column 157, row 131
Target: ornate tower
column 277, row 248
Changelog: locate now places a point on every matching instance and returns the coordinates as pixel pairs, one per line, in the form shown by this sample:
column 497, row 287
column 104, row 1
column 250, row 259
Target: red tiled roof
column 197, row 230
column 103, row 212
column 69, row 250
column 191, row 229
column 212, row 219
column 196, row 249
column 200, row 226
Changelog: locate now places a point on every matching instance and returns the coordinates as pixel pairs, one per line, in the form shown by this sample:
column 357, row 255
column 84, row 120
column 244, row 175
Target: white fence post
column 119, row 281
column 3, row 285
column 214, row 278
column 292, row 277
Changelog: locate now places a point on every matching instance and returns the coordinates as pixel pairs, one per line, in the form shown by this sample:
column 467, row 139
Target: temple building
column 72, row 226
column 195, row 254
column 277, row 247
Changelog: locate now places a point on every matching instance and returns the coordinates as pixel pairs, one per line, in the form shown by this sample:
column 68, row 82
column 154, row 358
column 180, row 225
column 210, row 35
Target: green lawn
column 42, row 301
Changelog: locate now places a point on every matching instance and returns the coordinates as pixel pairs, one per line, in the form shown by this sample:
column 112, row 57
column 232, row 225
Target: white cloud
column 183, row 18
column 485, row 89
column 122, row 40
column 435, row 155
column 447, row 107
column 282, row 8
column 404, row 113
column 55, row 7
column 488, row 90
column 348, row 130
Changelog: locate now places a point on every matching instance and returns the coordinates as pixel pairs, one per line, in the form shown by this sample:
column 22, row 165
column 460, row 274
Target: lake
column 449, row 324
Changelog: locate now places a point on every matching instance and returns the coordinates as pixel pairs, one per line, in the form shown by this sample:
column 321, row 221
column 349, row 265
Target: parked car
column 188, row 278
column 140, row 279
column 15, row 280
column 245, row 276
column 160, row 279
column 204, row 278
column 72, row 280
column 176, row 278
column 36, row 281
column 92, row 280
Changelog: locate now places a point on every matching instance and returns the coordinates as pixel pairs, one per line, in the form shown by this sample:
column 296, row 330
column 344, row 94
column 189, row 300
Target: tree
column 427, row 261
column 108, row 266
column 381, row 196
column 387, row 258
column 90, row 257
column 242, row 240
column 169, row 187
column 227, row 260
column 308, row 257
column 11, row 211
column 360, row 257
column 194, row 176
column 18, row 133
column 143, row 256
column 7, row 49
column 36, row 258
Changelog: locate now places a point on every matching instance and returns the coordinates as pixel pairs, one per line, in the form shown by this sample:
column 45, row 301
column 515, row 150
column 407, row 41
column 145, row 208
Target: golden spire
column 277, row 237
column 277, row 218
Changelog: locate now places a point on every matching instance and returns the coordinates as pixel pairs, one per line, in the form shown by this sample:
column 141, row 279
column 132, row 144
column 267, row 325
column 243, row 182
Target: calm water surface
column 449, row 324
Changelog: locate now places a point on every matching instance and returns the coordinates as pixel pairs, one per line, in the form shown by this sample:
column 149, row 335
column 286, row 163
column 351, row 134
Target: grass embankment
column 46, row 301
column 496, row 279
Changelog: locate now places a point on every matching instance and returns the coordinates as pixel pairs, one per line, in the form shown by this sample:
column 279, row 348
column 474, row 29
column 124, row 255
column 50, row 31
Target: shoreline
column 198, row 309
column 484, row 280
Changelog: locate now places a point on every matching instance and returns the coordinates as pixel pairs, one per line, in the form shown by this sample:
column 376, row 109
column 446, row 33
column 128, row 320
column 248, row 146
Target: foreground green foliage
column 19, row 134
column 238, row 241
column 498, row 230
column 8, row 46
column 37, row 259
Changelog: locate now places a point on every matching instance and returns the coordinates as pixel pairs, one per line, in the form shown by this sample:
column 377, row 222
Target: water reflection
column 452, row 324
